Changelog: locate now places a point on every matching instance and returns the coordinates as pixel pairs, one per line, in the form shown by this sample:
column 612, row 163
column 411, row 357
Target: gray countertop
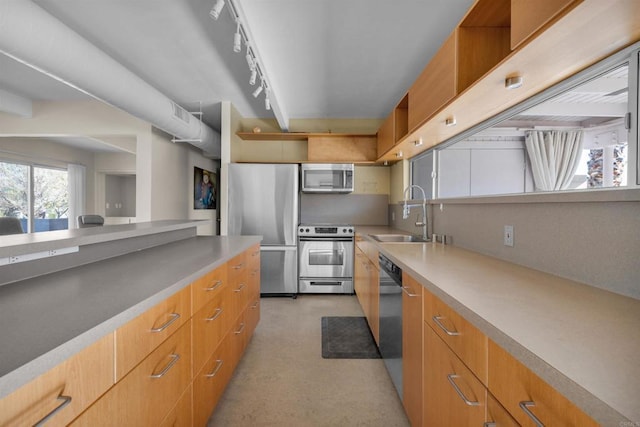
column 50, row 318
column 583, row 341
column 20, row 244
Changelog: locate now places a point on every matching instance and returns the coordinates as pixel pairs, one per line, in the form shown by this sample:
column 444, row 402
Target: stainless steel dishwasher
column 391, row 319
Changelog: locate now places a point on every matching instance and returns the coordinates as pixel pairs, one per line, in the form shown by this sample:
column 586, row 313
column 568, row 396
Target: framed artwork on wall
column 204, row 188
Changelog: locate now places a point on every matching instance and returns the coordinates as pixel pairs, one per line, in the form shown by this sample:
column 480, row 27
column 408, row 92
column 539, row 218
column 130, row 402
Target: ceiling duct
column 34, row 37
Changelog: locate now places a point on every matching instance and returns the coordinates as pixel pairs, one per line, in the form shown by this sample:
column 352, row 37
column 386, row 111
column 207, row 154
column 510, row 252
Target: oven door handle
column 326, row 239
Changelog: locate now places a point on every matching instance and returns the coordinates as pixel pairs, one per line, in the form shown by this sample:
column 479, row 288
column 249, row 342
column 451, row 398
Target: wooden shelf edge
column 295, row 136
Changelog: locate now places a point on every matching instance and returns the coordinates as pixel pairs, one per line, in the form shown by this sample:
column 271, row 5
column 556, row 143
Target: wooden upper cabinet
column 528, row 16
column 324, row 149
column 386, row 138
column 435, row 86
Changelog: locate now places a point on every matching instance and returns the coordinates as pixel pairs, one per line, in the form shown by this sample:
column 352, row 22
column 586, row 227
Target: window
column 36, row 195
column 510, row 153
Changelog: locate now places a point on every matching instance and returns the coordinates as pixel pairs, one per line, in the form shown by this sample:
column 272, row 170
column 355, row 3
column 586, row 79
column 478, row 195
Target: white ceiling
column 323, row 58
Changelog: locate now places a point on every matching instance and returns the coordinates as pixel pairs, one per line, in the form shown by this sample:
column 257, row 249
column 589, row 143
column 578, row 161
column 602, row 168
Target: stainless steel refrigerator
column 263, row 200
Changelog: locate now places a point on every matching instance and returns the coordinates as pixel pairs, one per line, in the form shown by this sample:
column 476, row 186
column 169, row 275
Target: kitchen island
column 53, row 317
column 581, row 340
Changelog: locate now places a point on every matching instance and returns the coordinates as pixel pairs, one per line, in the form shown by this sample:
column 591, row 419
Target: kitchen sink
column 396, row 238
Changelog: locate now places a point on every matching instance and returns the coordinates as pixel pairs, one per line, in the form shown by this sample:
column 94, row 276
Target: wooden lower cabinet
column 146, row 395
column 210, row 325
column 497, row 416
column 182, row 414
column 366, row 275
column 526, row 396
column 412, row 324
column 210, row 382
column 63, row 392
column 453, row 396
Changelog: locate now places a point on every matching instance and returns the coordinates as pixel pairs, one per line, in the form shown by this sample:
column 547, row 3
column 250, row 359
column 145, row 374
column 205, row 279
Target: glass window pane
column 14, row 190
column 50, row 199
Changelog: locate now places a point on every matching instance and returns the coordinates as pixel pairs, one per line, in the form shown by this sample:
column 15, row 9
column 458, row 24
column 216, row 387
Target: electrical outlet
column 508, row 235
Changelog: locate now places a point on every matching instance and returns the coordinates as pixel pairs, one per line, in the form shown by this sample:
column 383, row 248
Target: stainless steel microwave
column 327, row 178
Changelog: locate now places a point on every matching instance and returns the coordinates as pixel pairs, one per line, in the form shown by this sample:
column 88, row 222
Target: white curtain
column 76, row 189
column 554, row 157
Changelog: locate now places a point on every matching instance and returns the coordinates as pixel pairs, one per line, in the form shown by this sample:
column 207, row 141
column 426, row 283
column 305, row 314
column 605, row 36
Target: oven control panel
column 326, row 230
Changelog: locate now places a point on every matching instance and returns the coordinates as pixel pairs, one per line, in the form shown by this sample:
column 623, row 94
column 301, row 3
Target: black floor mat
column 347, row 338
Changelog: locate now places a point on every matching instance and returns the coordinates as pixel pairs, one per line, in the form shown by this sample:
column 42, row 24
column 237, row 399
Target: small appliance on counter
column 327, row 178
column 326, row 258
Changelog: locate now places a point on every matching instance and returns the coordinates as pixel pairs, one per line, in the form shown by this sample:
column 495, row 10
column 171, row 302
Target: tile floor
column 283, row 380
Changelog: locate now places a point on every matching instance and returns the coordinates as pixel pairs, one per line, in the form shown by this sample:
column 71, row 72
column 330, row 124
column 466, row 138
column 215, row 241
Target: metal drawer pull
column 215, row 316
column 254, row 306
column 239, row 266
column 215, row 371
column 239, row 288
column 407, row 291
column 489, row 424
column 174, row 317
column 65, row 401
column 451, row 377
column 525, row 407
column 239, row 331
column 446, row 331
column 174, row 360
column 215, row 286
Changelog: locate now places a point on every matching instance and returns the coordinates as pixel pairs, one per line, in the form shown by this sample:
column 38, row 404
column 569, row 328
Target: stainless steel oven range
column 325, row 259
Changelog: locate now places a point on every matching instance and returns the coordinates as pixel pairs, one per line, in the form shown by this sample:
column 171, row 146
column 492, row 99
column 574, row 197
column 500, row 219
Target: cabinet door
column 64, row 391
column 526, row 396
column 453, row 396
column 342, row 148
column 181, row 415
column 374, row 302
column 360, row 284
column 412, row 349
column 145, row 396
column 497, row 416
column 207, row 287
column 210, row 325
column 435, row 86
column 210, row 382
column 464, row 339
column 386, row 138
column 136, row 339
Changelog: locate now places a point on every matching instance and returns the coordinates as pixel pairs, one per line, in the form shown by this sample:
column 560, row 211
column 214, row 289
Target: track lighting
column 237, row 39
column 258, row 91
column 216, row 9
column 267, row 103
column 250, row 60
column 254, row 74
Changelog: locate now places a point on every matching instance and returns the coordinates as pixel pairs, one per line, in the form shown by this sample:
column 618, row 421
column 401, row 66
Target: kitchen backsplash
column 356, row 209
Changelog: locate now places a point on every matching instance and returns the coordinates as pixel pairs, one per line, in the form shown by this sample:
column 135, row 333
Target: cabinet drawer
column 526, row 396
column 145, row 396
column 497, row 416
column 64, row 391
column 210, row 325
column 453, row 396
column 464, row 339
column 239, row 337
column 181, row 415
column 136, row 339
column 207, row 287
column 210, row 382
column 237, row 266
column 253, row 316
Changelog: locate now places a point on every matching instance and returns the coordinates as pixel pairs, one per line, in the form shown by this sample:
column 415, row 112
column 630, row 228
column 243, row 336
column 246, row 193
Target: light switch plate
column 508, row 235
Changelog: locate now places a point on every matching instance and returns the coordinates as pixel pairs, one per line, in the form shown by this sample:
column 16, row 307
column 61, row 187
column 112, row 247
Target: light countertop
column 582, row 340
column 49, row 318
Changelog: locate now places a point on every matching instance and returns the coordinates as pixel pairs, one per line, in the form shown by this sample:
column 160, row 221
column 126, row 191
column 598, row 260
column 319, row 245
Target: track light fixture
column 243, row 35
column 258, row 91
column 237, row 39
column 216, row 9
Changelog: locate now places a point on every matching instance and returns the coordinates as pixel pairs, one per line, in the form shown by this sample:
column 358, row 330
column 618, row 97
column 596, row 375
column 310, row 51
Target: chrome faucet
column 407, row 208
